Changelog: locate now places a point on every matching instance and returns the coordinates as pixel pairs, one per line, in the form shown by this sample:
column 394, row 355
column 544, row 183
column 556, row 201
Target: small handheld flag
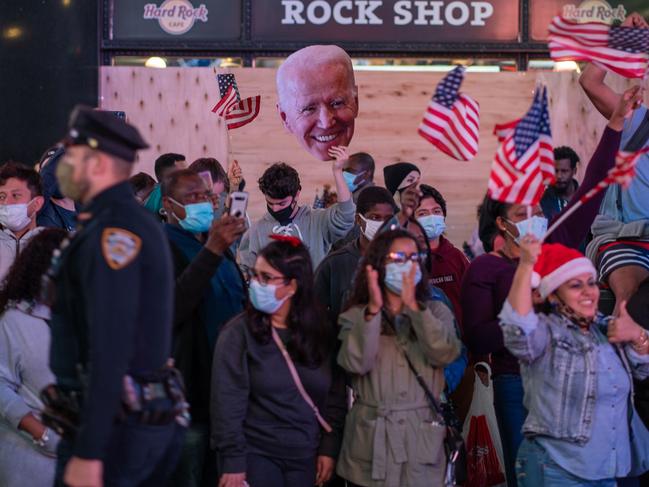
column 623, row 50
column 452, row 119
column 237, row 112
column 524, row 162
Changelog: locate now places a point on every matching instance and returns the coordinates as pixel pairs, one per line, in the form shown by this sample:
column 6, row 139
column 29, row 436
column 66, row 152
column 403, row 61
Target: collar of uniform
column 119, row 192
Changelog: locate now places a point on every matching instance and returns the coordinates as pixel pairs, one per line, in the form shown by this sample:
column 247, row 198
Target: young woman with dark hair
column 263, row 427
column 389, row 437
column 27, row 447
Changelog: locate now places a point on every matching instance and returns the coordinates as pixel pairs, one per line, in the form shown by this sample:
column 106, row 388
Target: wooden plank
column 172, row 109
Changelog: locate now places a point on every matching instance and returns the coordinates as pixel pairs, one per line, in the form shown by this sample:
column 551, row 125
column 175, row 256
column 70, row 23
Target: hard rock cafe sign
column 594, row 11
column 175, row 16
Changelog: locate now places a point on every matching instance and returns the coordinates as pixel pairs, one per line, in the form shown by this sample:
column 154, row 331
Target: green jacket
column 389, row 439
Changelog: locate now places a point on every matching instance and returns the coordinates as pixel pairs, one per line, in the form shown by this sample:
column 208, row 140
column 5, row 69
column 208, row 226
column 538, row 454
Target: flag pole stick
column 562, row 218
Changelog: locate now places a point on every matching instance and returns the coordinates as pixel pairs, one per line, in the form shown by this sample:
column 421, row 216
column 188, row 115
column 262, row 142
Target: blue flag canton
column 629, row 39
column 225, row 81
column 447, row 89
column 535, row 123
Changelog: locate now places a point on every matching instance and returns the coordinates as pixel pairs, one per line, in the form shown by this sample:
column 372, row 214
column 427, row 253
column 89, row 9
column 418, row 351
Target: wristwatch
column 45, row 437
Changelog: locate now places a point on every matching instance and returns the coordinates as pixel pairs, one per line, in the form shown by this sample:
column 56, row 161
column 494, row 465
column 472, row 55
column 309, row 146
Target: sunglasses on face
column 403, row 257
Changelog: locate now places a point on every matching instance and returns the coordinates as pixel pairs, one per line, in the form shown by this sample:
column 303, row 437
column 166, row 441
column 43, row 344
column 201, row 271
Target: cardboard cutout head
column 318, row 98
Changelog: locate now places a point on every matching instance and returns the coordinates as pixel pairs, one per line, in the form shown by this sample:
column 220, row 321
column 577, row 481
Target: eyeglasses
column 263, row 278
column 402, row 257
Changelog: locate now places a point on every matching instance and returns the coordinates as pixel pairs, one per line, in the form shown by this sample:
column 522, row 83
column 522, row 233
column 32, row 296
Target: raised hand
column 530, row 249
column 340, row 155
column 235, row 175
column 374, row 290
column 410, row 198
column 224, row 232
column 635, row 20
column 630, row 100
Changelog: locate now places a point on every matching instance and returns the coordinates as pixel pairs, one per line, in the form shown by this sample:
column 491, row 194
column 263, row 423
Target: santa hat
column 558, row 264
column 395, row 175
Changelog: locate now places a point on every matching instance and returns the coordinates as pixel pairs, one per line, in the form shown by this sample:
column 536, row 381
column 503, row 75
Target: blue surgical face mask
column 536, row 225
column 263, row 298
column 198, row 216
column 349, row 180
column 394, row 273
column 434, row 225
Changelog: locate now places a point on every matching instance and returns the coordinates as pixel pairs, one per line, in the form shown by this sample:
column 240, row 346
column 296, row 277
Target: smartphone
column 238, row 204
column 206, row 176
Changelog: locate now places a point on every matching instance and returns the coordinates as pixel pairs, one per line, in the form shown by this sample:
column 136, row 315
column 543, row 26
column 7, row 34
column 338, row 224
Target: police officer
column 112, row 315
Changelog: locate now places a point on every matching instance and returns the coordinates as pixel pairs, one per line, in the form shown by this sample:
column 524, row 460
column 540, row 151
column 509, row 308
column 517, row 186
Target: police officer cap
column 104, row 131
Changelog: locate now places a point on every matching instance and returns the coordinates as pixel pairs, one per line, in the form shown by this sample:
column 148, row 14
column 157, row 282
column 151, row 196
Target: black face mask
column 283, row 216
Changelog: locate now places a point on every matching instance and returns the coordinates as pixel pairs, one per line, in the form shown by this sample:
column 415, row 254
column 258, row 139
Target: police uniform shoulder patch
column 119, row 247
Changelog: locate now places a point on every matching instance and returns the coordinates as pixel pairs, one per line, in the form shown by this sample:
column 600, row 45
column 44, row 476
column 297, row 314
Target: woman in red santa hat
column 577, row 367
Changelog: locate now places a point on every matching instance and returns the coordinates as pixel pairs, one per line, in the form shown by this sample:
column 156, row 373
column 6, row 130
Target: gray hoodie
column 317, row 228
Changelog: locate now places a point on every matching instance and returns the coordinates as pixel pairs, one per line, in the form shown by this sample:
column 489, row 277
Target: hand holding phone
column 238, row 204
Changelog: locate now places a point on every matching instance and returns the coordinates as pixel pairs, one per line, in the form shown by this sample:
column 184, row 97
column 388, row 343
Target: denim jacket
column 558, row 367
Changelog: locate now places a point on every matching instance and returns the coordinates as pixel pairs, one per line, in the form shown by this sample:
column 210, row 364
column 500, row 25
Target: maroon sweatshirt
column 487, row 281
column 449, row 266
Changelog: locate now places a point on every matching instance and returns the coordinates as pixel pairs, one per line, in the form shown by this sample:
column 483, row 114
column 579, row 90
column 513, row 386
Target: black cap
column 394, row 175
column 104, row 131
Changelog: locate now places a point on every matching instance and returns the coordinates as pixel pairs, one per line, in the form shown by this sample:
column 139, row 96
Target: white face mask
column 15, row 217
column 371, row 227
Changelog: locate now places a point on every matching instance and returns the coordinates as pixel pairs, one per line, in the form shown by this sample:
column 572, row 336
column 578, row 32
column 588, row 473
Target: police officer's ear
column 100, row 163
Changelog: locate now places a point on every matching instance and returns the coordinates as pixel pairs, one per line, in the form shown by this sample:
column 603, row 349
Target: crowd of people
column 316, row 346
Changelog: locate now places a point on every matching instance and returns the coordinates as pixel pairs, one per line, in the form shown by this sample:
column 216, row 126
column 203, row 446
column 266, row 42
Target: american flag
column 524, row 162
column 623, row 50
column 622, row 173
column 502, row 130
column 228, row 92
column 225, row 104
column 452, row 119
column 237, row 112
column 243, row 112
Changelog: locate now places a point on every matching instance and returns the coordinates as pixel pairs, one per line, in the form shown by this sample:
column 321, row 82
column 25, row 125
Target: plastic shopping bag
column 484, row 450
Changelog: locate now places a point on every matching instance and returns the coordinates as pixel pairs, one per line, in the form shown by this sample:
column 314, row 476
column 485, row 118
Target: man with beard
column 556, row 197
column 111, row 319
column 318, row 98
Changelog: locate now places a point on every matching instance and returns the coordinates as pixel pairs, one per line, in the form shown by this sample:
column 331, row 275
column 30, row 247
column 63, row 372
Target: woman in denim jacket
column 577, row 368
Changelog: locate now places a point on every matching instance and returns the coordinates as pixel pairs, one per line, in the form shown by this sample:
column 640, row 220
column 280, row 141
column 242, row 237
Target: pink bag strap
column 298, row 382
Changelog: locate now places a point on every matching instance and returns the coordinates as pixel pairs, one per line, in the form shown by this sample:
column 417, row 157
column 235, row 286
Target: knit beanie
column 394, row 175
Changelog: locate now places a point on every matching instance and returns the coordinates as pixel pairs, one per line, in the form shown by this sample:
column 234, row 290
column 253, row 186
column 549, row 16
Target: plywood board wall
column 172, row 109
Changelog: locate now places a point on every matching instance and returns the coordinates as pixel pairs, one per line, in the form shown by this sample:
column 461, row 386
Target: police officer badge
column 119, row 247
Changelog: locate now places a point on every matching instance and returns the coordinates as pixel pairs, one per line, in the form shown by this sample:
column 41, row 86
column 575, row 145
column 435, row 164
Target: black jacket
column 113, row 309
column 191, row 349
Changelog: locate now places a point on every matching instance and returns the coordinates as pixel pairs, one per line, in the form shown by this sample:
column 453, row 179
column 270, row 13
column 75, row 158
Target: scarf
column 563, row 309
